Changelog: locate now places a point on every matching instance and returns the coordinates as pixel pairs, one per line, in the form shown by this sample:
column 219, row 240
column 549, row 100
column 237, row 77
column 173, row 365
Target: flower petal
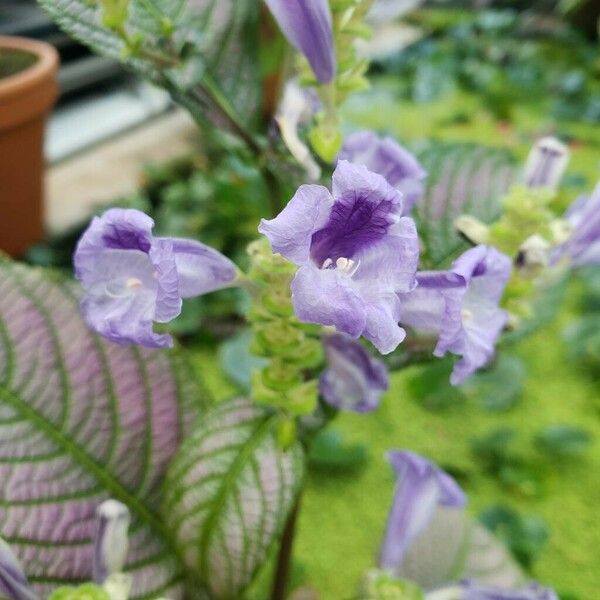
column 353, row 380
column 421, row 487
column 327, row 297
column 471, row 590
column 13, row 583
column 200, row 268
column 307, row 24
column 290, row 233
column 168, row 299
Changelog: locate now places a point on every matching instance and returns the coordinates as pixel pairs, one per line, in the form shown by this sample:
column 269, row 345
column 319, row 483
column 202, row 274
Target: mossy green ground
column 343, row 516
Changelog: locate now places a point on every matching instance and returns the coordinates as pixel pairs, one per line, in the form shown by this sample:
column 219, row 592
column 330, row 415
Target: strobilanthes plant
column 150, row 492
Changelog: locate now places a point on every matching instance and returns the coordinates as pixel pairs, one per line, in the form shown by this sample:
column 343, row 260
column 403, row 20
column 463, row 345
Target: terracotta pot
column 26, row 97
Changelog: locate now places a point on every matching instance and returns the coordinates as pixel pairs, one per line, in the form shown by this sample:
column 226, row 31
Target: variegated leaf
column 453, row 547
column 462, row 179
column 218, row 38
column 82, row 420
column 228, row 493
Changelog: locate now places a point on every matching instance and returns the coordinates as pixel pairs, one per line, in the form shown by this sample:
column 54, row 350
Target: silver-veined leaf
column 82, row 420
column 228, row 493
column 453, row 547
column 462, row 179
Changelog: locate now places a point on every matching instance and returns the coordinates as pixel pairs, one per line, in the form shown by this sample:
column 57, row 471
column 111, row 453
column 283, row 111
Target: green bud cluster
column 293, row 349
column 348, row 25
column 526, row 212
column 114, row 13
column 87, row 591
column 379, row 585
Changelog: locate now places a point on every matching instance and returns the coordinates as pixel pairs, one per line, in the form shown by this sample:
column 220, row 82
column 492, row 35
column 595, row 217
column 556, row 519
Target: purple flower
column 132, row 278
column 461, row 307
column 421, row 487
column 354, row 251
column 546, row 163
column 111, row 542
column 583, row 245
column 471, row 590
column 354, row 380
column 387, row 158
column 13, row 583
column 307, row 25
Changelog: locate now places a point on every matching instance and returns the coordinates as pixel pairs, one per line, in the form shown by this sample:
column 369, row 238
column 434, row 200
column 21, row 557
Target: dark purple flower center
column 357, row 221
column 122, row 237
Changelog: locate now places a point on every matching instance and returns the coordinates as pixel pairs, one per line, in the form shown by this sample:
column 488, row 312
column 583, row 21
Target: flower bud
column 111, row 543
column 115, row 13
column 13, row 583
column 546, row 163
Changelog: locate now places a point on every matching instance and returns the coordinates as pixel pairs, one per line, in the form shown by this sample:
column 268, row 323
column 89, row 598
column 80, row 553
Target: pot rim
column 45, row 65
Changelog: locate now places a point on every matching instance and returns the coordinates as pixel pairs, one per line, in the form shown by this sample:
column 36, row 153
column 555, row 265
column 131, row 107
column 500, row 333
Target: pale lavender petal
column 383, row 314
column 307, row 24
column 290, row 233
column 387, row 158
column 168, row 298
column 200, row 268
column 471, row 590
column 583, row 246
column 421, row 487
column 354, row 380
column 13, row 583
column 366, row 208
column 111, row 542
column 328, row 297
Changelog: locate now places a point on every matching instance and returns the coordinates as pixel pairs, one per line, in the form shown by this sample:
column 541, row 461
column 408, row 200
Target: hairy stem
column 284, row 557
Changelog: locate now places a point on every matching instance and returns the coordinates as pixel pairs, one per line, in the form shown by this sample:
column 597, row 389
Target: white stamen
column 328, row 262
column 466, row 314
column 133, row 283
column 347, row 266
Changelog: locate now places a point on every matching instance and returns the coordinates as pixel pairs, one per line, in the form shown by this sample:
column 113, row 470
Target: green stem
column 284, row 557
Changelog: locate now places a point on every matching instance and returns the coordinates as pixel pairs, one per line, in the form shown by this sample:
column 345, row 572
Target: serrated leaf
column 453, row 547
column 462, row 179
column 82, row 420
column 228, row 493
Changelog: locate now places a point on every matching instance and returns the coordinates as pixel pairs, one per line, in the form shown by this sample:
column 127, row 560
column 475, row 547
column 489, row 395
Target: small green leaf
column 329, row 452
column 228, row 493
column 564, row 441
column 238, row 362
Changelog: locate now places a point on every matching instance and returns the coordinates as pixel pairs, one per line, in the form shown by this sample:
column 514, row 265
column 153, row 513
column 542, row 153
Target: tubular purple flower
column 111, row 543
column 13, row 583
column 307, row 24
column 583, row 245
column 461, row 307
column 421, row 487
column 387, row 158
column 354, row 380
column 354, row 251
column 546, row 163
column 471, row 590
column 132, row 278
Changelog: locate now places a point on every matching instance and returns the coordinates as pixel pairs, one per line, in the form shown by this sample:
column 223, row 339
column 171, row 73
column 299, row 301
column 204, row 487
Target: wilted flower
column 546, row 163
column 421, row 487
column 583, row 245
column 354, row 380
column 461, row 307
column 354, row 251
column 387, row 158
column 132, row 278
column 307, row 24
column 13, row 583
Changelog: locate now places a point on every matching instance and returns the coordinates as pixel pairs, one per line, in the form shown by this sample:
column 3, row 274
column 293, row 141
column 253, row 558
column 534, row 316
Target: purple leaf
column 228, row 492
column 81, row 421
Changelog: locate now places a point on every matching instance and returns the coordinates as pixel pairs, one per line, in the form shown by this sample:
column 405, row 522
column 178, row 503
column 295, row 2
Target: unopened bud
column 472, row 229
column 546, row 163
column 111, row 544
column 533, row 253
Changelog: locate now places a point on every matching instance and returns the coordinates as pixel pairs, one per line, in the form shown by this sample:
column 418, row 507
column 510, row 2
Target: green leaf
column 500, row 386
column 238, row 362
column 329, row 453
column 83, row 420
column 564, row 441
column 228, row 493
column 213, row 42
column 452, row 547
column 462, row 179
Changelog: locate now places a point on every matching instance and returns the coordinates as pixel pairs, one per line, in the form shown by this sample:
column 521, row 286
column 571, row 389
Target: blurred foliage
column 564, row 441
column 525, row 536
column 329, row 453
column 504, row 57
